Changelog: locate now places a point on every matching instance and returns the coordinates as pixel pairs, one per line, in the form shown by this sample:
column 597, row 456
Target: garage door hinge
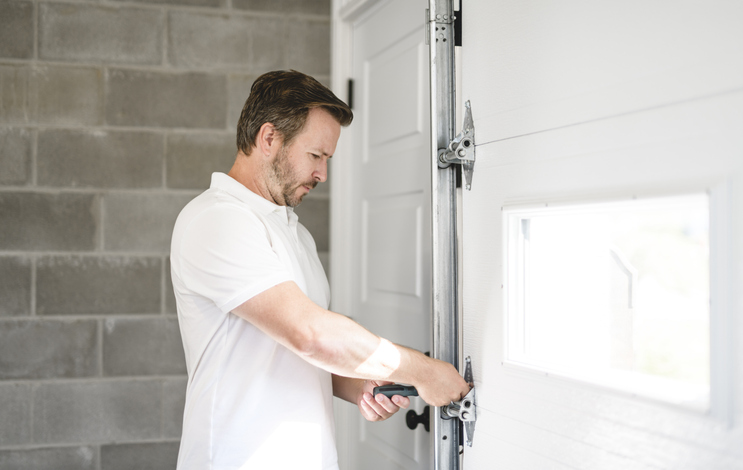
column 461, row 150
column 464, row 409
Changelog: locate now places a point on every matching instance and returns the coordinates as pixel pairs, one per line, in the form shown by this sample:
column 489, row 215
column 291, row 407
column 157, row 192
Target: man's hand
column 380, row 407
column 441, row 384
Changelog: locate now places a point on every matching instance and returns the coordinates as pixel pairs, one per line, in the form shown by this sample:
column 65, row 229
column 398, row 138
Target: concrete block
column 314, row 214
column 315, row 7
column 159, row 99
column 48, row 221
column 42, row 349
column 15, row 415
column 238, row 90
column 97, row 285
column 147, row 346
column 97, row 412
column 15, row 286
column 195, row 3
column 308, row 46
column 53, row 458
column 86, row 32
column 66, row 96
column 14, row 106
column 149, row 456
column 192, row 158
column 15, row 156
column 17, row 29
column 99, row 159
column 205, row 40
column 141, row 222
column 325, row 80
column 268, row 52
column 174, row 402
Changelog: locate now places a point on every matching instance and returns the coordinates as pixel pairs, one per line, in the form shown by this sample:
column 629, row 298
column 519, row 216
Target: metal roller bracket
column 461, row 150
column 464, row 409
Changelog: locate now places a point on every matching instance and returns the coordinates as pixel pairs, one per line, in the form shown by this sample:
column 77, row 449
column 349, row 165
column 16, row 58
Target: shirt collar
column 262, row 205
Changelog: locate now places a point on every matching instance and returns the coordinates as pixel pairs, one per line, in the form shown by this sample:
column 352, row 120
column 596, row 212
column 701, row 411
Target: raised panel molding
column 392, row 246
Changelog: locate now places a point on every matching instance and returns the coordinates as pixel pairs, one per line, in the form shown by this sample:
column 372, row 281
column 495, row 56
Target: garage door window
column 616, row 294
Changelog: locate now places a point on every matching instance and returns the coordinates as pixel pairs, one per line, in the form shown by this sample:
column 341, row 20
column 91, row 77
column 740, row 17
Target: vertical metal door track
column 440, row 28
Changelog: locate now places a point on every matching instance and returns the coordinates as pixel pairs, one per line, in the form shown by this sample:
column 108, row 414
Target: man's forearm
column 341, row 346
column 326, row 339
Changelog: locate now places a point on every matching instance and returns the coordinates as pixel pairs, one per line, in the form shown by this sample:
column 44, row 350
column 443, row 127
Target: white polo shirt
column 250, row 403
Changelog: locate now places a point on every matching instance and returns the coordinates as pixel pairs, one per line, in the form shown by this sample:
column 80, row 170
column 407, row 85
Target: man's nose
column 321, row 172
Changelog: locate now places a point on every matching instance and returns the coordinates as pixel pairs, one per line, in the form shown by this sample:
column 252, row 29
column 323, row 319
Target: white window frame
column 720, row 393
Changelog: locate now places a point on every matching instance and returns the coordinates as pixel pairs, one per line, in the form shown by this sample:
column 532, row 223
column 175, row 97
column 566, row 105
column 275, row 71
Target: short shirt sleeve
column 227, row 256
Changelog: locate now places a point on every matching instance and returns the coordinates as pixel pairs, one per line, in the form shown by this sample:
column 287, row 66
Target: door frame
column 343, row 15
column 446, row 312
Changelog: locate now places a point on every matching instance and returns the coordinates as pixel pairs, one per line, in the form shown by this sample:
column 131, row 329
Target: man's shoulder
column 214, row 201
column 217, row 210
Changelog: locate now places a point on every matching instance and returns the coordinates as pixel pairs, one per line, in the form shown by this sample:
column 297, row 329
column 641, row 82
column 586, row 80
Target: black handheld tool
column 396, row 389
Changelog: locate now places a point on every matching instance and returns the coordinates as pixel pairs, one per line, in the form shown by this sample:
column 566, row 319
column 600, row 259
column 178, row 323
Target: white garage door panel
column 591, row 417
column 652, row 152
column 701, row 119
column 577, row 454
column 553, row 64
column 582, row 443
column 506, row 456
column 527, row 420
column 603, row 173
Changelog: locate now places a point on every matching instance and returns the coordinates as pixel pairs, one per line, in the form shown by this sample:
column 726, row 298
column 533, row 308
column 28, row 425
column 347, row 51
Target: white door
column 579, row 103
column 381, row 211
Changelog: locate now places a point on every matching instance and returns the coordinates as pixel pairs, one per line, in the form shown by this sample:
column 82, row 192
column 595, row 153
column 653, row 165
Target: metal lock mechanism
column 461, row 150
column 465, row 409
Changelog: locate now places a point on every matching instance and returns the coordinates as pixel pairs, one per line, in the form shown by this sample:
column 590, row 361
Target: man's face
column 298, row 167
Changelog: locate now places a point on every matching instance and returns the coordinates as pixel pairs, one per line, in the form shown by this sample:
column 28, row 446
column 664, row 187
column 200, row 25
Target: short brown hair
column 284, row 98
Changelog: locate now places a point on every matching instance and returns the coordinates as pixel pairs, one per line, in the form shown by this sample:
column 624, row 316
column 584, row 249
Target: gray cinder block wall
column 113, row 114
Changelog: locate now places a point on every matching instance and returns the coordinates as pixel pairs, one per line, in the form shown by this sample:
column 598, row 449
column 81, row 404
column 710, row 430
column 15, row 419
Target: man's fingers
column 367, row 411
column 387, row 405
column 402, row 402
column 380, row 405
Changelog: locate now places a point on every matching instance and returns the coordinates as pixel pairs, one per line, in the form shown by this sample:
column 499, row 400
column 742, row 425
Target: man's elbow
column 315, row 347
column 306, row 342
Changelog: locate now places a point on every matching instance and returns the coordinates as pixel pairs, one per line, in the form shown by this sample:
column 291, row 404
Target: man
column 264, row 355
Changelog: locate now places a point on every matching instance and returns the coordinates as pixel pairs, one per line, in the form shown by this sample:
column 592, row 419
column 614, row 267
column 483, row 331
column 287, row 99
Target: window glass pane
column 615, row 292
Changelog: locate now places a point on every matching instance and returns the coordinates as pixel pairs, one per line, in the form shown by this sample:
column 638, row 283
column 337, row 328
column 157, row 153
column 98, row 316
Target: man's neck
column 247, row 170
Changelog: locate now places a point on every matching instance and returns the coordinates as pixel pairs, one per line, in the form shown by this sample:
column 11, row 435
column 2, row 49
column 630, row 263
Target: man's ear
column 268, row 139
